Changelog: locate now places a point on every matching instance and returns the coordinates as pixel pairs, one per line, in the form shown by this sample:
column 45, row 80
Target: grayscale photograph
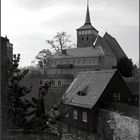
column 69, row 70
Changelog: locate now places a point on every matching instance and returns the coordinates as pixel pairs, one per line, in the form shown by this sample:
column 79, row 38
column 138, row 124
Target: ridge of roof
column 81, row 52
column 87, row 26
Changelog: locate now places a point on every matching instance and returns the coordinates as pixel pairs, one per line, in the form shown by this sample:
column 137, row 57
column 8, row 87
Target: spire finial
column 87, row 21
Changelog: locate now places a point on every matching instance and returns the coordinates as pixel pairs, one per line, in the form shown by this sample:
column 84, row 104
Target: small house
column 90, row 91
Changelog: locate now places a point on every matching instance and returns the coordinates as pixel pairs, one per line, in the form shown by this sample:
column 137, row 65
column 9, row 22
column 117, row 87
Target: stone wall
column 123, row 127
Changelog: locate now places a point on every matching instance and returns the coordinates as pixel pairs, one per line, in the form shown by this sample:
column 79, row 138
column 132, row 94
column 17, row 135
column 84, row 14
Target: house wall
column 79, row 64
column 84, row 42
column 124, row 128
column 91, row 123
column 116, row 85
column 71, row 132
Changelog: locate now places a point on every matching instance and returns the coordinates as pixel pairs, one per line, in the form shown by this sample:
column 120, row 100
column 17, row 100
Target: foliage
column 34, row 72
column 55, row 118
column 60, row 41
column 125, row 67
column 17, row 107
column 38, row 109
column 41, row 59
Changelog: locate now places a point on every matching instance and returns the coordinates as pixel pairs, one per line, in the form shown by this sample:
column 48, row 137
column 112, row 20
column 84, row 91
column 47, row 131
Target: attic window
column 83, row 92
column 116, row 96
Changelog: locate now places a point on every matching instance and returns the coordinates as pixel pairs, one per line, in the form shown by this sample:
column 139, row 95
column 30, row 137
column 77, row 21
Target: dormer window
column 83, row 92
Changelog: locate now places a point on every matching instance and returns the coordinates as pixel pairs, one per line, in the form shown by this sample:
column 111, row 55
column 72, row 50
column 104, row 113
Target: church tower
column 86, row 34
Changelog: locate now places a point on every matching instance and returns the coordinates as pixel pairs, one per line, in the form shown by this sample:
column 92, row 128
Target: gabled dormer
column 86, row 34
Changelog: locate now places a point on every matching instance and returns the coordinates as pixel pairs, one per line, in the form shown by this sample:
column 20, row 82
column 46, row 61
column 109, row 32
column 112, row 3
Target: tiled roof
column 114, row 46
column 87, row 26
column 102, row 42
column 94, row 82
column 81, row 52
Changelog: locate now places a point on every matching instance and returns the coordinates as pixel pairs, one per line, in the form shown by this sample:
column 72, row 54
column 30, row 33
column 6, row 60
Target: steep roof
column 114, row 46
column 93, row 82
column 81, row 52
column 102, row 42
column 87, row 21
column 87, row 24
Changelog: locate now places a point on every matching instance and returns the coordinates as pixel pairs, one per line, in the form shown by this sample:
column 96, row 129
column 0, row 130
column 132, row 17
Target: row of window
column 67, row 71
column 86, row 38
column 56, row 83
column 85, row 32
column 78, row 62
column 75, row 115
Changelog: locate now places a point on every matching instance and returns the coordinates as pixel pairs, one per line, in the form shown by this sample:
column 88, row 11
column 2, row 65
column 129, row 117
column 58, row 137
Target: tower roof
column 87, row 24
column 87, row 21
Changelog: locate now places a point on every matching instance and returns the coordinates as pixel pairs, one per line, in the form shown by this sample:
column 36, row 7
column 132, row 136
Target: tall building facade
column 6, row 55
column 93, row 52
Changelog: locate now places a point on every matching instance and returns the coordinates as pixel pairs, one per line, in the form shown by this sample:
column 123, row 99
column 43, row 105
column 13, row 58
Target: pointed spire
column 87, row 21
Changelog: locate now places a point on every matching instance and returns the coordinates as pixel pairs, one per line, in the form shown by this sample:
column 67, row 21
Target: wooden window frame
column 84, row 116
column 75, row 114
column 59, row 83
column 117, row 94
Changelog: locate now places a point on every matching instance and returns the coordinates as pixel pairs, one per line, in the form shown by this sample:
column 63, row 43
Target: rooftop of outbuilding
column 93, row 83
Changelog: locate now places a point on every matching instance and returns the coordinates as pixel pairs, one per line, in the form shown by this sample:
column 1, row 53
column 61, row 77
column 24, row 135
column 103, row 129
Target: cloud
column 38, row 4
column 28, row 23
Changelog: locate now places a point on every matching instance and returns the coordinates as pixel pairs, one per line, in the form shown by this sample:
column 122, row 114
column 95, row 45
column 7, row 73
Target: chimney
column 64, row 52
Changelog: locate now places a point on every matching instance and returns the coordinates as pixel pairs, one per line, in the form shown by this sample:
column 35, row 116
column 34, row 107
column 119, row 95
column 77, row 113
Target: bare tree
column 41, row 59
column 60, row 41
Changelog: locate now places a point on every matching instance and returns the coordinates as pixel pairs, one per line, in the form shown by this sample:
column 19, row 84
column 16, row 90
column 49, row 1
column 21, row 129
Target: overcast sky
column 29, row 23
